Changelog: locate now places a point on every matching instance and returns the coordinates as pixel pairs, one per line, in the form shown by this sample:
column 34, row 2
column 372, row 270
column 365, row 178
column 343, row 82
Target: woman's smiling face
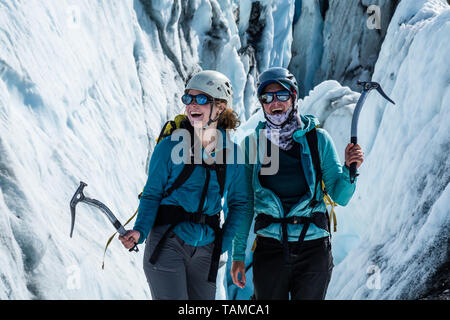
column 198, row 113
column 276, row 106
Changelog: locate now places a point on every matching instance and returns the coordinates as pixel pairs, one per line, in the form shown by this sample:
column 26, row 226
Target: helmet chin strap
column 210, row 121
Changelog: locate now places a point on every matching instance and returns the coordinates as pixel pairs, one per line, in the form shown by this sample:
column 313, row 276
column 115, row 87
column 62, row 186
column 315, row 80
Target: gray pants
column 181, row 271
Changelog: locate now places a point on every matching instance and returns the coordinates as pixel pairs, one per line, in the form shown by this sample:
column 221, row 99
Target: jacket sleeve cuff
column 141, row 236
column 238, row 257
column 238, row 251
column 346, row 172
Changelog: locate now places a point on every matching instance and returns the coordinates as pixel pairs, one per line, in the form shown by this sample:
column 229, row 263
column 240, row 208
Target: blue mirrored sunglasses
column 268, row 97
column 199, row 99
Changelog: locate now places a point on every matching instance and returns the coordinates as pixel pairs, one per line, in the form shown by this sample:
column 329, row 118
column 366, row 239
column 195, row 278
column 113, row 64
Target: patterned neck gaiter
column 282, row 137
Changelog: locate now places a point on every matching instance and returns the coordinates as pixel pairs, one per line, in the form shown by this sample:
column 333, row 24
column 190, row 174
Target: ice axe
column 367, row 86
column 80, row 197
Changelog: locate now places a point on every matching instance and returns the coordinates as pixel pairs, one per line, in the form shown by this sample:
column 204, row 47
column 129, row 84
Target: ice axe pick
column 80, row 197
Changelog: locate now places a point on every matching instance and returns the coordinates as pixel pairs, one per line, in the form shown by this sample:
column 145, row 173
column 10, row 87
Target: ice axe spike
column 80, row 197
column 367, row 87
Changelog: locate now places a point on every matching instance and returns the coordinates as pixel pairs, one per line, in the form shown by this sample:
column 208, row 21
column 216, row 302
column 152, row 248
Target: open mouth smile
column 196, row 115
column 277, row 110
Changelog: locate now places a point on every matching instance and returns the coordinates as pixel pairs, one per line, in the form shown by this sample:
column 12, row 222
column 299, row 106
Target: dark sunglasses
column 268, row 97
column 200, row 99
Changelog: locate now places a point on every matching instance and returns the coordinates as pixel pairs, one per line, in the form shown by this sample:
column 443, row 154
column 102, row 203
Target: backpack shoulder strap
column 169, row 127
column 312, row 142
column 181, row 179
column 221, row 172
column 311, row 137
column 221, row 168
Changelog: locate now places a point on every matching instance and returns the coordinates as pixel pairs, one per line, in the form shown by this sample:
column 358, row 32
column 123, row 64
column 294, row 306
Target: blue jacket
column 335, row 177
column 163, row 172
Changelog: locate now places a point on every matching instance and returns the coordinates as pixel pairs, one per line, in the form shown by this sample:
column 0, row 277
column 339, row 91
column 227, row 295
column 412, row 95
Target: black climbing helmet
column 278, row 75
column 287, row 80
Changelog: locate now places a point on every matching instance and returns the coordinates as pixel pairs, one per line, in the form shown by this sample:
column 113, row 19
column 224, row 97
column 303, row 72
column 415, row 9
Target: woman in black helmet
column 292, row 257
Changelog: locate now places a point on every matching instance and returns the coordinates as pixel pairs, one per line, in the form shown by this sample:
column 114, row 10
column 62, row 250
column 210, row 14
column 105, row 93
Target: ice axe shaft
column 80, row 197
column 367, row 87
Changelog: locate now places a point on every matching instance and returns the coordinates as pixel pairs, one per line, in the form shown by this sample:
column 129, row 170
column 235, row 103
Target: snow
column 85, row 87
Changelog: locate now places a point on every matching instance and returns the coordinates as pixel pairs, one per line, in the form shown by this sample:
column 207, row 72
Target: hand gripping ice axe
column 367, row 86
column 80, row 197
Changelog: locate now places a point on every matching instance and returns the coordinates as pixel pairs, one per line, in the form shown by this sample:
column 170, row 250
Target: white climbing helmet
column 213, row 83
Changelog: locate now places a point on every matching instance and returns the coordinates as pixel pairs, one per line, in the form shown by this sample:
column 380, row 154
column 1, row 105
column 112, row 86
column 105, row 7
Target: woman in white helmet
column 181, row 202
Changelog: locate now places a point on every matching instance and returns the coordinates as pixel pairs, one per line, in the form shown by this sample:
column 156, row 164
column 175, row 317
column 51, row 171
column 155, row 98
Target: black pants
column 305, row 276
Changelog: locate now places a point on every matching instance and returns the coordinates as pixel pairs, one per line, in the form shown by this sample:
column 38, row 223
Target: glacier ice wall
column 400, row 209
column 338, row 40
column 351, row 50
column 307, row 45
column 82, row 95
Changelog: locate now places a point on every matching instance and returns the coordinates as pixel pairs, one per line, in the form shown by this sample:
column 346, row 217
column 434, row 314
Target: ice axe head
column 367, row 86
column 77, row 197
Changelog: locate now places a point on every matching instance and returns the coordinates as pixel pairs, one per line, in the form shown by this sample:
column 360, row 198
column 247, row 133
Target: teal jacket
column 335, row 177
column 163, row 172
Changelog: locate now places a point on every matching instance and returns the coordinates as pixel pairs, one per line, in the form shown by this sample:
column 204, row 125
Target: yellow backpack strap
column 112, row 237
column 329, row 202
column 254, row 246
